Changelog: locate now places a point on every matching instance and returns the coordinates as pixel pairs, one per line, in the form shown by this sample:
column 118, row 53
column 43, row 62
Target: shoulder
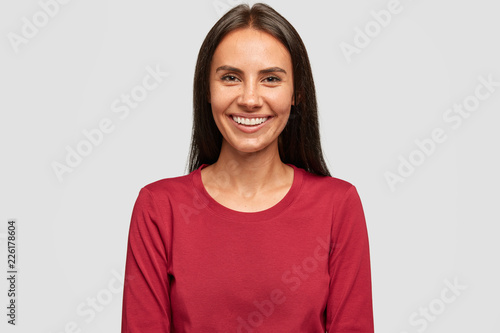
column 169, row 187
column 326, row 185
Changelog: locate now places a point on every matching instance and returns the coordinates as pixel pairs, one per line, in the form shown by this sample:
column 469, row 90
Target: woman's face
column 251, row 89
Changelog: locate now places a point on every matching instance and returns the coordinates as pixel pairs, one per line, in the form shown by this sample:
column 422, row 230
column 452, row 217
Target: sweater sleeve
column 349, row 305
column 146, row 301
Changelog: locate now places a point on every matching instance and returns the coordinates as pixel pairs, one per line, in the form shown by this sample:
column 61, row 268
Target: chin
column 249, row 147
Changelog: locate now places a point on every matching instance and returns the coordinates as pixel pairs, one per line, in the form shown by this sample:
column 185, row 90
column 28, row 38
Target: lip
column 244, row 115
column 246, row 128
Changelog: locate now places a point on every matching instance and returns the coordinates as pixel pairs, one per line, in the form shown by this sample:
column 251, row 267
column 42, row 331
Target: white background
column 440, row 224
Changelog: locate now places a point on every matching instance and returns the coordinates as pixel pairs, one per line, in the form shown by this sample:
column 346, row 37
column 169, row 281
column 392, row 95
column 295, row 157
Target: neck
column 250, row 173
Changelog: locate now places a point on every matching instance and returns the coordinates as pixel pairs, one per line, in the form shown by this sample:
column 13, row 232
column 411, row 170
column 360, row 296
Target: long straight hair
column 299, row 142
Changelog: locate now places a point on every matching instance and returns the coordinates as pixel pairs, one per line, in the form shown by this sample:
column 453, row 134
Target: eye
column 272, row 79
column 229, row 78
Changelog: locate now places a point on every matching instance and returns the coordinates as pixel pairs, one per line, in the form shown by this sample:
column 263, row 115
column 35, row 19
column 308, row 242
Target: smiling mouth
column 250, row 121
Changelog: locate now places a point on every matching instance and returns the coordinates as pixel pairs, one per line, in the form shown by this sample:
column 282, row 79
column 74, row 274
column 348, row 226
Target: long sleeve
column 146, row 301
column 349, row 305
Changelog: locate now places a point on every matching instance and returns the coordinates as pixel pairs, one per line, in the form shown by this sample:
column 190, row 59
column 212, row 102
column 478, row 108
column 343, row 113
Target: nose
column 250, row 97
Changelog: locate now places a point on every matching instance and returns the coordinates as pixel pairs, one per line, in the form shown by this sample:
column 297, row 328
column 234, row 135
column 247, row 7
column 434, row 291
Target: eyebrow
column 263, row 71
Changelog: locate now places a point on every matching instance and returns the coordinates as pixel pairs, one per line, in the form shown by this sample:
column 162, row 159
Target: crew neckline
column 239, row 216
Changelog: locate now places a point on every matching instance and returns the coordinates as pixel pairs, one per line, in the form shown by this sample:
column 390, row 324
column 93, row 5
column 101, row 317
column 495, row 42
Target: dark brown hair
column 299, row 142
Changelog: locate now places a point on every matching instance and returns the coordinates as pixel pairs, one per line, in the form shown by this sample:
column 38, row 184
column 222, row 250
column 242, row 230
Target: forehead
column 251, row 47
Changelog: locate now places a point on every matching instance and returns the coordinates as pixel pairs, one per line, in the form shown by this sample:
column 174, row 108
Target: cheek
column 219, row 103
column 220, row 100
column 280, row 102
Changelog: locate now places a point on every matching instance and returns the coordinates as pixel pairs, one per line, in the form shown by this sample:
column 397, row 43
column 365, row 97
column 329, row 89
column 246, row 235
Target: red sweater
column 194, row 265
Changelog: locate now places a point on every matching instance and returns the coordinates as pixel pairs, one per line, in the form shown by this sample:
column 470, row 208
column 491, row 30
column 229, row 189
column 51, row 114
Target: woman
column 258, row 237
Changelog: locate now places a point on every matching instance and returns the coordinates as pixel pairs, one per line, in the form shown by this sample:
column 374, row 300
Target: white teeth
column 249, row 121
